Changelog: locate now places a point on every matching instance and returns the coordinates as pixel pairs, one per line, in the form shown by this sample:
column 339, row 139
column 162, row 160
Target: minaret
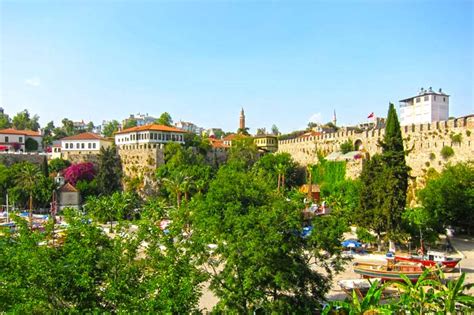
column 242, row 120
column 334, row 120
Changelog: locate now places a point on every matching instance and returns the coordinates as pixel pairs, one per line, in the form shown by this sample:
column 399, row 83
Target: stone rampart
column 140, row 161
column 423, row 142
column 11, row 158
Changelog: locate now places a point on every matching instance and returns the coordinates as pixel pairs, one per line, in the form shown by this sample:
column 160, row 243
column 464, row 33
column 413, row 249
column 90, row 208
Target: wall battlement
column 424, row 142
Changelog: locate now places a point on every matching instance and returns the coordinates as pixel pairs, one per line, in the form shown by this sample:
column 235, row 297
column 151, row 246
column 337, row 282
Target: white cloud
column 33, row 82
column 317, row 118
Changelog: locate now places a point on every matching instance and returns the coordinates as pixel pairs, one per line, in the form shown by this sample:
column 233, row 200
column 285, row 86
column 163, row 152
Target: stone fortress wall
column 424, row 143
column 141, row 160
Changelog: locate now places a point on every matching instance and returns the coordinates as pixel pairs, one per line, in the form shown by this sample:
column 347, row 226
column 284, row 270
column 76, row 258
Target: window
column 67, row 145
column 21, row 139
column 77, row 145
column 417, row 99
column 444, row 99
column 6, row 139
column 82, row 145
column 93, row 145
column 89, row 145
column 434, row 97
column 426, row 97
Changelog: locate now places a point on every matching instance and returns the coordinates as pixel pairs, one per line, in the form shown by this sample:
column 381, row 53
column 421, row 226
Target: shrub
column 447, row 152
column 432, row 156
column 456, row 138
column 79, row 171
column 347, row 146
column 427, row 164
column 468, row 133
column 31, row 145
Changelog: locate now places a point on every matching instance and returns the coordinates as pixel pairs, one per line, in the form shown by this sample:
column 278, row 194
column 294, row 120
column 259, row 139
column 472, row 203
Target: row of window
column 90, row 145
column 265, row 141
column 7, row 139
column 152, row 136
column 426, row 98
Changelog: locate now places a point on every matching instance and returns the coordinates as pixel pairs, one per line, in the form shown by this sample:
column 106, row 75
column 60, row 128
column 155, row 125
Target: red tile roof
column 68, row 188
column 218, row 144
column 152, row 127
column 85, row 136
column 11, row 131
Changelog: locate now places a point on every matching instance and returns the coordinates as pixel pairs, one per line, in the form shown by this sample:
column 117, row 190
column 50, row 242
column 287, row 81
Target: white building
column 83, row 143
column 149, row 134
column 14, row 140
column 141, row 119
column 426, row 107
column 189, row 127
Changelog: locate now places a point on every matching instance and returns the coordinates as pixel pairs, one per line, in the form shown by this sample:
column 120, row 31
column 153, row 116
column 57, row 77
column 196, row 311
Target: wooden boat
column 360, row 286
column 391, row 271
column 432, row 259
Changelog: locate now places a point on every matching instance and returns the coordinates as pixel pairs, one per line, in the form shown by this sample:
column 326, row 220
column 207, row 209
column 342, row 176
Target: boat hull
column 447, row 264
column 367, row 271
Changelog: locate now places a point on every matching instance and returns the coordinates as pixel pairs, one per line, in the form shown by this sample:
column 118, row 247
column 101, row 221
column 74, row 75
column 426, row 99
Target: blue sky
column 285, row 62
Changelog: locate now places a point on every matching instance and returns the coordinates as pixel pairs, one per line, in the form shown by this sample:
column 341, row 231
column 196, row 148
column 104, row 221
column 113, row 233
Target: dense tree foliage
column 58, row 164
column 261, row 261
column 22, row 121
column 165, row 119
column 272, row 166
column 110, row 128
column 130, row 123
column 347, row 146
column 80, row 171
column 5, row 121
column 384, row 183
column 109, row 175
column 449, row 198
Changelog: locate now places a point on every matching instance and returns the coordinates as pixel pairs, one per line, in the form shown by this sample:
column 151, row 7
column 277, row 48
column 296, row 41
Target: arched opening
column 358, row 145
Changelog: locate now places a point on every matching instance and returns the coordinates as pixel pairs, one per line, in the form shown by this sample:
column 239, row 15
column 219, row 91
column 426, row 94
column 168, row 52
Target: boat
column 392, row 271
column 360, row 286
column 432, row 259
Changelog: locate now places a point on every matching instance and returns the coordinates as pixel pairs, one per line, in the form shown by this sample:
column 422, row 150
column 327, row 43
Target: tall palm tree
column 27, row 178
column 281, row 170
column 176, row 183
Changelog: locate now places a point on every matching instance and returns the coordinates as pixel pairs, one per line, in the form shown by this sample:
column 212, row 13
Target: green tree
column 384, row 183
column 45, row 167
column 259, row 262
column 27, row 178
column 110, row 128
column 275, row 130
column 109, row 176
column 131, row 122
column 347, row 146
column 68, row 127
column 272, row 166
column 165, row 119
column 449, row 197
column 22, row 121
column 58, row 164
column 5, row 121
column 261, row 131
column 31, row 145
column 244, row 132
column 90, row 126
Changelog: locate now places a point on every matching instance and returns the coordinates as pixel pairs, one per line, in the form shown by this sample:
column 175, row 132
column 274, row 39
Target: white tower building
column 426, row 107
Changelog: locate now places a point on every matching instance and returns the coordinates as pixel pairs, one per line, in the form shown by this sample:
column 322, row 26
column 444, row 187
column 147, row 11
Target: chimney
column 441, row 91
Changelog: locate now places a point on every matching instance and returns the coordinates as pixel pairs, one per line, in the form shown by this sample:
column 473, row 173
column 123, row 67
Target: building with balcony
column 15, row 140
column 266, row 143
column 426, row 107
column 148, row 134
column 84, row 144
